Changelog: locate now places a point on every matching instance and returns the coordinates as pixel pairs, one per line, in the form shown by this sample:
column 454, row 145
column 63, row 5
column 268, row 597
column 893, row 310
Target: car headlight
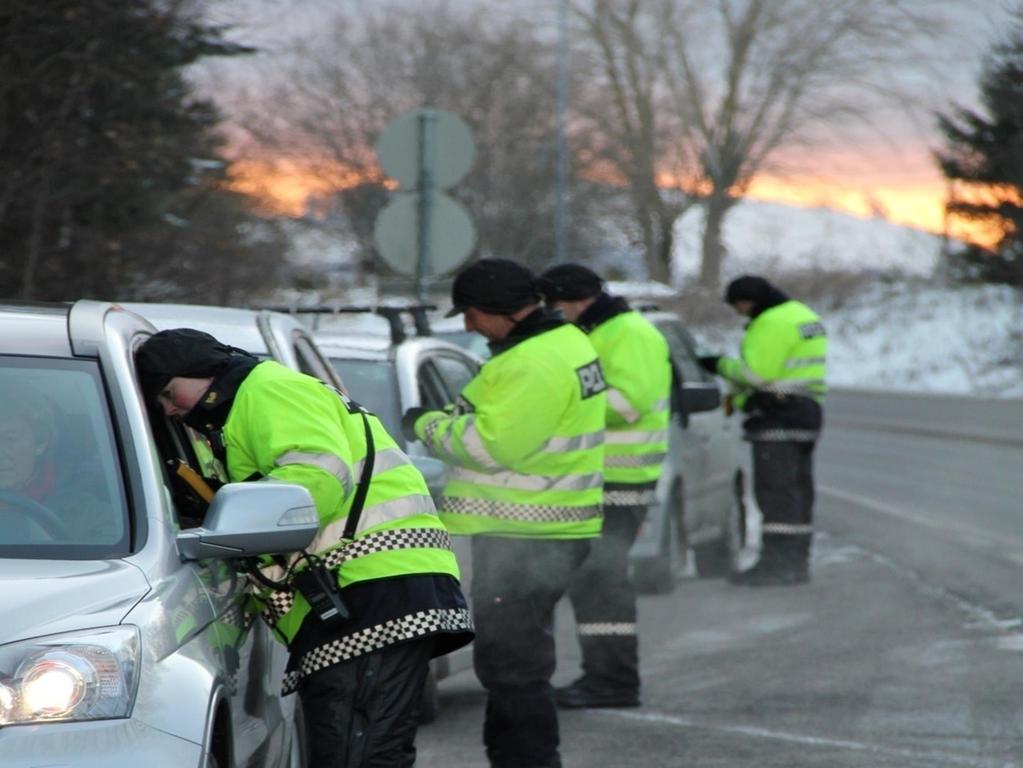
column 89, row 675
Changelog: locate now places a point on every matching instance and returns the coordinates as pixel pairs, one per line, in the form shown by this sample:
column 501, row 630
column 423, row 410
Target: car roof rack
column 392, row 313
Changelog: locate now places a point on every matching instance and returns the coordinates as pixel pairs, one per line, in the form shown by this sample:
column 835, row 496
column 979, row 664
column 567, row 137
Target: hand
column 408, row 421
column 709, row 363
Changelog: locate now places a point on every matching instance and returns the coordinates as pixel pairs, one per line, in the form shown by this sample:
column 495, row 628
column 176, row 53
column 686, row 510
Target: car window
column 432, row 391
column 309, row 360
column 683, row 351
column 454, row 373
column 61, row 483
column 374, row 385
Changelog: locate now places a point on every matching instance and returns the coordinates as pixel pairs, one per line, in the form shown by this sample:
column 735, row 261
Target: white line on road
column 798, row 738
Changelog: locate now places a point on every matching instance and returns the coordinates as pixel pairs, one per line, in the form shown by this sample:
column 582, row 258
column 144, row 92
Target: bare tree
column 626, row 107
column 340, row 90
column 746, row 79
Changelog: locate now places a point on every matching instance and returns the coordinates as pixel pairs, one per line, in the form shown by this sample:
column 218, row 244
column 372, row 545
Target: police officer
column 635, row 359
column 360, row 678
column 525, row 440
column 779, row 384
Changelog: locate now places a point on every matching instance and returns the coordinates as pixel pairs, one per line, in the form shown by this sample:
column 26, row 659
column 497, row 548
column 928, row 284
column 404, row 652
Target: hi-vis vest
column 635, row 359
column 783, row 353
column 399, row 532
column 526, row 442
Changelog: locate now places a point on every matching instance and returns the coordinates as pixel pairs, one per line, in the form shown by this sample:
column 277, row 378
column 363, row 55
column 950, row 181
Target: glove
column 408, row 421
column 709, row 363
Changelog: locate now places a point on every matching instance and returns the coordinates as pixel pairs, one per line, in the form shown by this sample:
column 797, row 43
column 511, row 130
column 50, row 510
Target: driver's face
column 18, row 451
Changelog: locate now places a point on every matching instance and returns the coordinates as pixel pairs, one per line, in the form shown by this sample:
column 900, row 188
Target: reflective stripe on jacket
column 526, row 442
column 399, row 532
column 635, row 359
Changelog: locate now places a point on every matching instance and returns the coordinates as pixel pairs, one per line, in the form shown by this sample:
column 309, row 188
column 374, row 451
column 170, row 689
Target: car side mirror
column 698, row 397
column 251, row 519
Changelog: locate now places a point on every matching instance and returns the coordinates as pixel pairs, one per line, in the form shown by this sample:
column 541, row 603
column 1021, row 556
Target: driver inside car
column 40, row 502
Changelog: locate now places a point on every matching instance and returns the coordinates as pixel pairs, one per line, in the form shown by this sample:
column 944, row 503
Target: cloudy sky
column 889, row 172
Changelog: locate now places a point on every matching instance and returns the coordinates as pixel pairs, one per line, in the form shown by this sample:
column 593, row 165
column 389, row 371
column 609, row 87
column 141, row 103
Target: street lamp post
column 561, row 150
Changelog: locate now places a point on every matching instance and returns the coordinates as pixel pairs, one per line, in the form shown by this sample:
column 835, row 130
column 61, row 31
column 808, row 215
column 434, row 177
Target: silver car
column 125, row 636
column 705, row 508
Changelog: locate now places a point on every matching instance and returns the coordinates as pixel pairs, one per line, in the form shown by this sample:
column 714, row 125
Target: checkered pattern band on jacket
column 410, row 627
column 623, row 498
column 279, row 602
column 533, row 513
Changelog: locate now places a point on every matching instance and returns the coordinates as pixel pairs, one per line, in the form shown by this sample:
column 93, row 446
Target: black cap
column 748, row 288
column 568, row 282
column 497, row 286
column 179, row 352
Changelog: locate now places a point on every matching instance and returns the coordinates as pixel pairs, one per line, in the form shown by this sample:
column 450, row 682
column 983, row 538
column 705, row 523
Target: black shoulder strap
column 355, row 511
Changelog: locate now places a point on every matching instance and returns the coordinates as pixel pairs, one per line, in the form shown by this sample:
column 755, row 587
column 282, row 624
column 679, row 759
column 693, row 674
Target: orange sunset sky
column 905, row 190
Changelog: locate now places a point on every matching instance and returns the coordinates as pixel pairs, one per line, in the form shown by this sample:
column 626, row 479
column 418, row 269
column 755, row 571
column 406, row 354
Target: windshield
column 373, row 384
column 61, row 494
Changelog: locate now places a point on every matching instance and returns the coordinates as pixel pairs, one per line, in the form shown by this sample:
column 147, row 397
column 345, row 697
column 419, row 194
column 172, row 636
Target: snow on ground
column 903, row 333
column 773, row 237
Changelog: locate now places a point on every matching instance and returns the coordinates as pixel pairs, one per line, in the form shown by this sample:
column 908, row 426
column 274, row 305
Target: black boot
column 586, row 693
column 779, row 565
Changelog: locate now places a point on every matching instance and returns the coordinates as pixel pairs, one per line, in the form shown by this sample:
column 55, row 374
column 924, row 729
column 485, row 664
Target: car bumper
column 96, row 744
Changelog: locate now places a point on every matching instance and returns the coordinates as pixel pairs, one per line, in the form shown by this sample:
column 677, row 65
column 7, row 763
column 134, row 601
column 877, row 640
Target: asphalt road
column 905, row 650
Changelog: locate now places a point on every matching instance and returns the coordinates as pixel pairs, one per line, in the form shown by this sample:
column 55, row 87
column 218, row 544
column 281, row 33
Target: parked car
column 124, row 636
column 704, row 508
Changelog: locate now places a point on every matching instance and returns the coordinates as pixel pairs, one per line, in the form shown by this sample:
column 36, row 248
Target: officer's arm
column 764, row 350
column 517, row 414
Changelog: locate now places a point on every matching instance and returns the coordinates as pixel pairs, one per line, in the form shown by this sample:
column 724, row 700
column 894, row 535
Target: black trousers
column 604, row 601
column 515, row 586
column 784, row 487
column 363, row 713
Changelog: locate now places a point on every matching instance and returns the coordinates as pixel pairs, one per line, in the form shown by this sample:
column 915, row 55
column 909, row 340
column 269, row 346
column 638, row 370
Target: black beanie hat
column 568, row 282
column 179, row 352
column 748, row 288
column 497, row 286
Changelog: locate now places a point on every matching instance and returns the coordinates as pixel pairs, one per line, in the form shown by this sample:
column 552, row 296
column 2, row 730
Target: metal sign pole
column 425, row 189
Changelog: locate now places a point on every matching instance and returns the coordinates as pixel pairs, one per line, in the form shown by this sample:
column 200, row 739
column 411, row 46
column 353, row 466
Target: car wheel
column 658, row 576
column 719, row 558
column 429, row 700
column 298, row 756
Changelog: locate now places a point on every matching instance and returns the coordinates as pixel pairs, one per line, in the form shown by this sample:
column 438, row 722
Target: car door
column 714, row 430
column 252, row 661
column 443, row 375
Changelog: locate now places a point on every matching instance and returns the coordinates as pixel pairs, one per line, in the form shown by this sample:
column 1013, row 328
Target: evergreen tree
column 106, row 156
column 984, row 154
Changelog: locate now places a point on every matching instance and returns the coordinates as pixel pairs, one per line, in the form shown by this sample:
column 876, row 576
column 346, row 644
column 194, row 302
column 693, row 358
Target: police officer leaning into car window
column 635, row 359
column 525, row 440
column 779, row 384
column 360, row 677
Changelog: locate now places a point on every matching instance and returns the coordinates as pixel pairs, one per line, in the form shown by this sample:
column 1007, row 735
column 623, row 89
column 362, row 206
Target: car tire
column 719, row 558
column 298, row 754
column 429, row 700
column 658, row 576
